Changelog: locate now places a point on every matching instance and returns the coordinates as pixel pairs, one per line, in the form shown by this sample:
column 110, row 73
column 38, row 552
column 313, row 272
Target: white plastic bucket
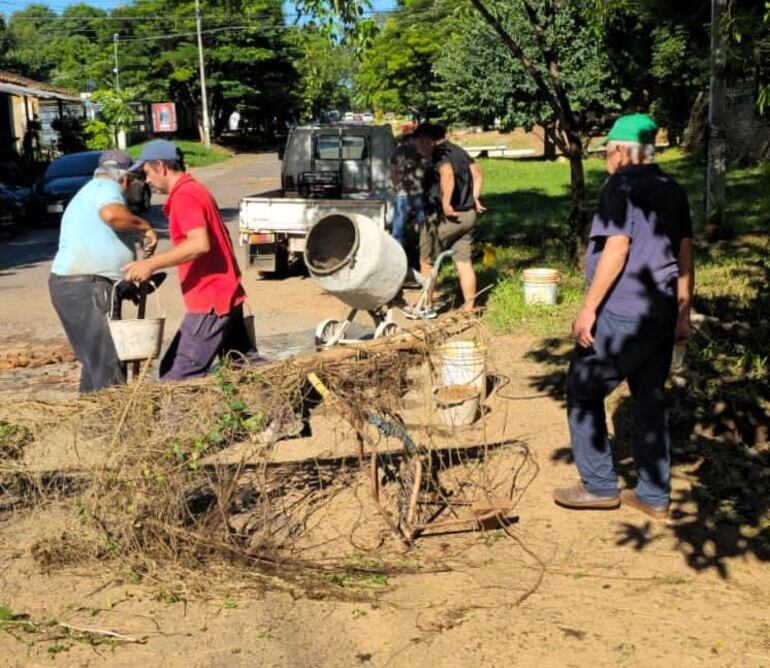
column 457, row 405
column 541, row 286
column 464, row 363
column 137, row 338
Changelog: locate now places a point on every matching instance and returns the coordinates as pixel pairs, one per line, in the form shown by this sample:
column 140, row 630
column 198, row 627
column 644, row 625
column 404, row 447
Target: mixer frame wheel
column 385, row 328
column 330, row 332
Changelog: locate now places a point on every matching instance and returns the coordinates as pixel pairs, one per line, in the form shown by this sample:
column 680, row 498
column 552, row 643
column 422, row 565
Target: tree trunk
column 549, row 141
column 715, row 173
column 578, row 217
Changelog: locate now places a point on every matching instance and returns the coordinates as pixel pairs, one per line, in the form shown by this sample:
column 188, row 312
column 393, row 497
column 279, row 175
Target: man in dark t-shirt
column 639, row 270
column 452, row 189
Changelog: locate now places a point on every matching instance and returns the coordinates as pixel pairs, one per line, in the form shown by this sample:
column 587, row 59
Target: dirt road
column 608, row 588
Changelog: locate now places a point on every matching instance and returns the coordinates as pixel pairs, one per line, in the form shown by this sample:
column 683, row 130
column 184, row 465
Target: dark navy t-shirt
column 646, row 205
column 462, row 195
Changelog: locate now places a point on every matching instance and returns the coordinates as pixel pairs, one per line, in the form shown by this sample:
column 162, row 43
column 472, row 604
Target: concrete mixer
column 354, row 259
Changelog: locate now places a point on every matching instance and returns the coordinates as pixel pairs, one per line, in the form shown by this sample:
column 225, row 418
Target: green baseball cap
column 636, row 128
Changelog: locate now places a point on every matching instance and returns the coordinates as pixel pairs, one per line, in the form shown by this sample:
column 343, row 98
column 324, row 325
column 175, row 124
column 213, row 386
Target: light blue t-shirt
column 87, row 245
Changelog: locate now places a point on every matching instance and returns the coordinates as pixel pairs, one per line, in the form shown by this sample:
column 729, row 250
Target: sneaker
column 578, row 497
column 422, row 313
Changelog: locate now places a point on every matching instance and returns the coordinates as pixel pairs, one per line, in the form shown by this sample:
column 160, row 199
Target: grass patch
column 528, row 204
column 195, row 153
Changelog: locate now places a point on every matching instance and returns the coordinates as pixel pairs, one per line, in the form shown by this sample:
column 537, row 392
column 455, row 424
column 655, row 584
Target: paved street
column 290, row 307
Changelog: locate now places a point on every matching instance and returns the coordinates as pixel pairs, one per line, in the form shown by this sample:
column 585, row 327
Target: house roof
column 16, row 84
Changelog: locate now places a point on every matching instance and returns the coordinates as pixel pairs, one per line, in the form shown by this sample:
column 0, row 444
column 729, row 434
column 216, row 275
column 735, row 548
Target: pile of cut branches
column 162, row 496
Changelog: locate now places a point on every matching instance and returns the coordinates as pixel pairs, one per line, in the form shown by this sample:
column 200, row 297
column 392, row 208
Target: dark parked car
column 68, row 174
column 13, row 207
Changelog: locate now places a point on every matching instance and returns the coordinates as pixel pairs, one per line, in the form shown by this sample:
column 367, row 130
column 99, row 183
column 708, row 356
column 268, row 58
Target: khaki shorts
column 439, row 234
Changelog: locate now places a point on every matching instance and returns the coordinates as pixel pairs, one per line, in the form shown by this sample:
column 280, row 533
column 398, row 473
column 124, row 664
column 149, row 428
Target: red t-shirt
column 213, row 280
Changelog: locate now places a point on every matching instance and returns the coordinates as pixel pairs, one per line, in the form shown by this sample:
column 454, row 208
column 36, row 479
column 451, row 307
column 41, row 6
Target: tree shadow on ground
column 719, row 412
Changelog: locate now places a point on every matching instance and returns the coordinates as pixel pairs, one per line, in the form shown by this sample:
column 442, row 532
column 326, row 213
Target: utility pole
column 715, row 174
column 204, row 100
column 116, row 70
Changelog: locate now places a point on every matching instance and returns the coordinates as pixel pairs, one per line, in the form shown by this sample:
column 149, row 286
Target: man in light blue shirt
column 96, row 241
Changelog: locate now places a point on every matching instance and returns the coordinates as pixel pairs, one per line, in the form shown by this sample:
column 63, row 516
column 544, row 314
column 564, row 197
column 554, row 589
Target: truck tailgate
column 297, row 214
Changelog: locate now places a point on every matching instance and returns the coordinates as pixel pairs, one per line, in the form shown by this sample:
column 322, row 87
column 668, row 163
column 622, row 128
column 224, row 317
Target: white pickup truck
column 326, row 169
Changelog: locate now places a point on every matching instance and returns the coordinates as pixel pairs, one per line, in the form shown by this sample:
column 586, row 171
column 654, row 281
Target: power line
column 180, row 34
column 260, row 29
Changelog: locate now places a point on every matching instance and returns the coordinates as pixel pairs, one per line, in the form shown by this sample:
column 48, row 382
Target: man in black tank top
column 452, row 188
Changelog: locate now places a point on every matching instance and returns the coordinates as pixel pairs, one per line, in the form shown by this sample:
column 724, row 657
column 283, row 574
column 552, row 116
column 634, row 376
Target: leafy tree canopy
column 397, row 69
column 477, row 80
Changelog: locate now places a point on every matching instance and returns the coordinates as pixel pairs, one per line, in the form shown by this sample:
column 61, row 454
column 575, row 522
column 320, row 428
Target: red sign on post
column 164, row 117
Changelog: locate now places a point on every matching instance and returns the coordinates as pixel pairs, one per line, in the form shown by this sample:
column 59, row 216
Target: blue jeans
column 640, row 351
column 406, row 206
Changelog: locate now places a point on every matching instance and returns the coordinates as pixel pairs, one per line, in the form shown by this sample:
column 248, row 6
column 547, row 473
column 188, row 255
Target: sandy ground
column 602, row 588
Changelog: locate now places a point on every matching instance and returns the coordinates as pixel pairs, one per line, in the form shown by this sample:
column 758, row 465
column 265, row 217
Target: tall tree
column 326, row 68
column 396, row 71
column 557, row 46
column 246, row 51
column 29, row 46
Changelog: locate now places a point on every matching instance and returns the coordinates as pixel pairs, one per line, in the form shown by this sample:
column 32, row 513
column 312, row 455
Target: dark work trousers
column 202, row 337
column 83, row 303
column 639, row 351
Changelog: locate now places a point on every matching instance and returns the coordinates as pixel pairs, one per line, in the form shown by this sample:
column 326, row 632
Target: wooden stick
column 102, row 632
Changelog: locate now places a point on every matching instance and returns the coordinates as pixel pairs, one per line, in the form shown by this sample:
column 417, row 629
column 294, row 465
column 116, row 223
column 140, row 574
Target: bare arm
column 685, row 288
column 478, row 181
column 120, row 219
column 195, row 244
column 611, row 263
column 447, row 183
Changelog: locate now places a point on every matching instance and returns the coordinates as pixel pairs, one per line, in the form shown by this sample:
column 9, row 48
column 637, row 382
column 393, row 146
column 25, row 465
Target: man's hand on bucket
column 138, row 271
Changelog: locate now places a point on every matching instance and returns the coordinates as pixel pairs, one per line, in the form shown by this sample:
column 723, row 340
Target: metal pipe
column 117, row 68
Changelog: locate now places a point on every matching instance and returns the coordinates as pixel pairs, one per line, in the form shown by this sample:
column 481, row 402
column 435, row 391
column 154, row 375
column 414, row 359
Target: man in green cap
column 639, row 271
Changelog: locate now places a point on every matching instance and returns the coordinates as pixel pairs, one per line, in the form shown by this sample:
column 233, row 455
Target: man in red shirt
column 208, row 271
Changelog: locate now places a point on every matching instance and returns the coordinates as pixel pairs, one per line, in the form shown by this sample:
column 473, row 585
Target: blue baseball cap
column 157, row 149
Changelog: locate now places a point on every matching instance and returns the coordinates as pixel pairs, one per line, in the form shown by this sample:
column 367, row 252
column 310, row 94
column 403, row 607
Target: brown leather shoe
column 578, row 498
column 629, row 498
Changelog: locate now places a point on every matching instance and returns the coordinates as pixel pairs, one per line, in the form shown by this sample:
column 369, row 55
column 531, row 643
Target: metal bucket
column 250, row 324
column 353, row 258
column 137, row 338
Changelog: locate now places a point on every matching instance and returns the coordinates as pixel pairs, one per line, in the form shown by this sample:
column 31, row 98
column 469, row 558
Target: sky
column 9, row 6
